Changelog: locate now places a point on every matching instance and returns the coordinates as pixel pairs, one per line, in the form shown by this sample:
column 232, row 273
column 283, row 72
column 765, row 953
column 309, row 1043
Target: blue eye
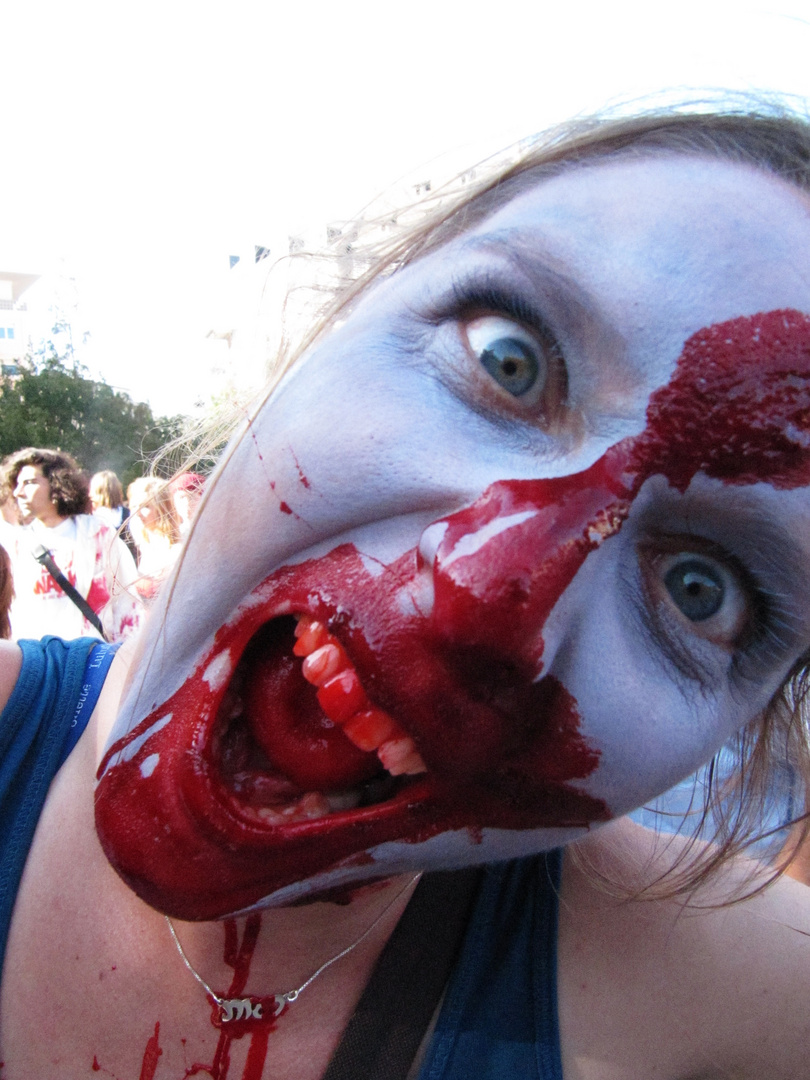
column 696, row 588
column 508, row 353
column 707, row 592
column 511, row 364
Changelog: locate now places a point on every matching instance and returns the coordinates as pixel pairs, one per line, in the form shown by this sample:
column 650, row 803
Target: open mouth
column 297, row 737
column 330, row 730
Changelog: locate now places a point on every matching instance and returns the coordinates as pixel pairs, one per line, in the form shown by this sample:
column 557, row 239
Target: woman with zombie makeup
column 532, row 545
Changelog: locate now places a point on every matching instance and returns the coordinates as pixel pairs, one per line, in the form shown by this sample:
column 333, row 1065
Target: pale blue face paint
column 519, row 353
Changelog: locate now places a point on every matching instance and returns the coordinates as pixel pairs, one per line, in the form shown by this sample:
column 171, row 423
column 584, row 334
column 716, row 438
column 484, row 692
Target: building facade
column 15, row 333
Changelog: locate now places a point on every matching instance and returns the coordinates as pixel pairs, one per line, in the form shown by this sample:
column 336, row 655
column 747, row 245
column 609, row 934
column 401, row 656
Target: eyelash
column 473, row 296
column 766, row 643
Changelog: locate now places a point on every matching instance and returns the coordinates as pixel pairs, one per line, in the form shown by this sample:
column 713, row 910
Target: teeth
column 343, row 800
column 342, row 696
column 400, row 757
column 321, row 665
column 311, row 634
column 312, row 805
column 369, row 728
column 343, row 699
column 309, row 807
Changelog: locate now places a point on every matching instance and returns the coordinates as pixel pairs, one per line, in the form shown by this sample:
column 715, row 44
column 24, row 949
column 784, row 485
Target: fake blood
column 238, row 956
column 737, row 407
column 151, row 1056
column 502, row 749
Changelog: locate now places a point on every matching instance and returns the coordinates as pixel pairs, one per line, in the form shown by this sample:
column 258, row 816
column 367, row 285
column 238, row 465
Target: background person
column 155, row 529
column 52, row 491
column 107, row 498
column 186, row 490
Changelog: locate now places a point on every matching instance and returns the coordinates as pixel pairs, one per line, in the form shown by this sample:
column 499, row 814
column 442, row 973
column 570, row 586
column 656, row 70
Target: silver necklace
column 242, row 1011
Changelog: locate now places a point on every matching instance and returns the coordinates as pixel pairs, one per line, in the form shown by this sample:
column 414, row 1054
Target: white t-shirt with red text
column 93, row 559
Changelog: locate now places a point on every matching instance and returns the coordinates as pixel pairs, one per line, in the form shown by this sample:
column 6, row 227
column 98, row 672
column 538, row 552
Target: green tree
column 53, row 404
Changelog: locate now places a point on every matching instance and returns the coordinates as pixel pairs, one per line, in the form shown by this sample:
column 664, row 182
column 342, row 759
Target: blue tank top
column 43, row 719
column 499, row 1016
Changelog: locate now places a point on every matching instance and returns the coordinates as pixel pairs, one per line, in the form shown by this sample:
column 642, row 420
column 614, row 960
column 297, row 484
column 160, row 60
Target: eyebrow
column 536, row 266
column 530, row 260
column 569, row 309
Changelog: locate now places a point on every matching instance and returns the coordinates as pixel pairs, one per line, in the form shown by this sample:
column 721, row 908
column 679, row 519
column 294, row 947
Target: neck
column 50, row 518
column 278, row 950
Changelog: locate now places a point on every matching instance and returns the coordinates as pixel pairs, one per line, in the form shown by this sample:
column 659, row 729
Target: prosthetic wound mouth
column 297, row 736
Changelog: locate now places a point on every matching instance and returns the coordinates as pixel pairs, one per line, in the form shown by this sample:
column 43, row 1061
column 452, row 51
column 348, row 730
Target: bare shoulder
column 673, row 990
column 10, row 664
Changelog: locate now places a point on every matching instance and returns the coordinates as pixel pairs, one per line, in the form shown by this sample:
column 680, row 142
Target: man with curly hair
column 52, row 493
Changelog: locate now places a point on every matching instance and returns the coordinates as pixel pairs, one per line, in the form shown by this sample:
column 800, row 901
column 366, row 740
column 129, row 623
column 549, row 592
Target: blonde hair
column 154, row 492
column 763, row 135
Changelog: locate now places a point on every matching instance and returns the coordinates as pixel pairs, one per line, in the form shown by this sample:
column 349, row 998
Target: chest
column 92, row 982
column 77, row 1000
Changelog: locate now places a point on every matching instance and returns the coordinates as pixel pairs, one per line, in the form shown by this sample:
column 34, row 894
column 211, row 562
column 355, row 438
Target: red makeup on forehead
column 503, row 750
column 737, row 407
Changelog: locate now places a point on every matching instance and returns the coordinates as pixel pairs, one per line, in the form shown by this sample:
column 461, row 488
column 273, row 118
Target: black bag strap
column 45, row 558
column 398, row 1004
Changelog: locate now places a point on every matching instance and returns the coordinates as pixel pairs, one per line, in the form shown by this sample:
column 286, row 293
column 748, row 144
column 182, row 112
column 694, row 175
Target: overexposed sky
column 144, row 143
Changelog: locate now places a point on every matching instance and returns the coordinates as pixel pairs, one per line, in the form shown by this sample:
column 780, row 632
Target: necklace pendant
column 240, row 1015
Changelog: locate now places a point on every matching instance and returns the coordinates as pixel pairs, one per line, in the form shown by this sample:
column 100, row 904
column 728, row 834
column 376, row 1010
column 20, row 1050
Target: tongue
column 289, row 724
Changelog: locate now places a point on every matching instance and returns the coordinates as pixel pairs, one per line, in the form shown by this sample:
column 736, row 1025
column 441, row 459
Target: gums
column 502, row 747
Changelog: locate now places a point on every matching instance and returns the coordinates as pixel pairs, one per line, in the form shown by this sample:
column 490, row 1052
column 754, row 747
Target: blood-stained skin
column 196, row 816
column 237, row 955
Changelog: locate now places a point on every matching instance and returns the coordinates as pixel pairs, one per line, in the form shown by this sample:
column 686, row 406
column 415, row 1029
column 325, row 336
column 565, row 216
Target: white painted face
column 539, row 512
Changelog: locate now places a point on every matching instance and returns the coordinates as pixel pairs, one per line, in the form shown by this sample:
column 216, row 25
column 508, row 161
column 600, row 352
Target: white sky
column 144, row 143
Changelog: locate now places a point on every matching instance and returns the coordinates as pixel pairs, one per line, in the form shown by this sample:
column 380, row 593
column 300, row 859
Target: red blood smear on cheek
column 534, row 535
column 736, row 408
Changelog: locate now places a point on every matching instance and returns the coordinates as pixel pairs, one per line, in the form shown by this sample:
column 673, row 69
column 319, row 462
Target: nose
column 501, row 564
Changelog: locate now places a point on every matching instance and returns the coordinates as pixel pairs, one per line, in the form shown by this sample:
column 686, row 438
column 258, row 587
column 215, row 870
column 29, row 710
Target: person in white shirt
column 52, row 491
